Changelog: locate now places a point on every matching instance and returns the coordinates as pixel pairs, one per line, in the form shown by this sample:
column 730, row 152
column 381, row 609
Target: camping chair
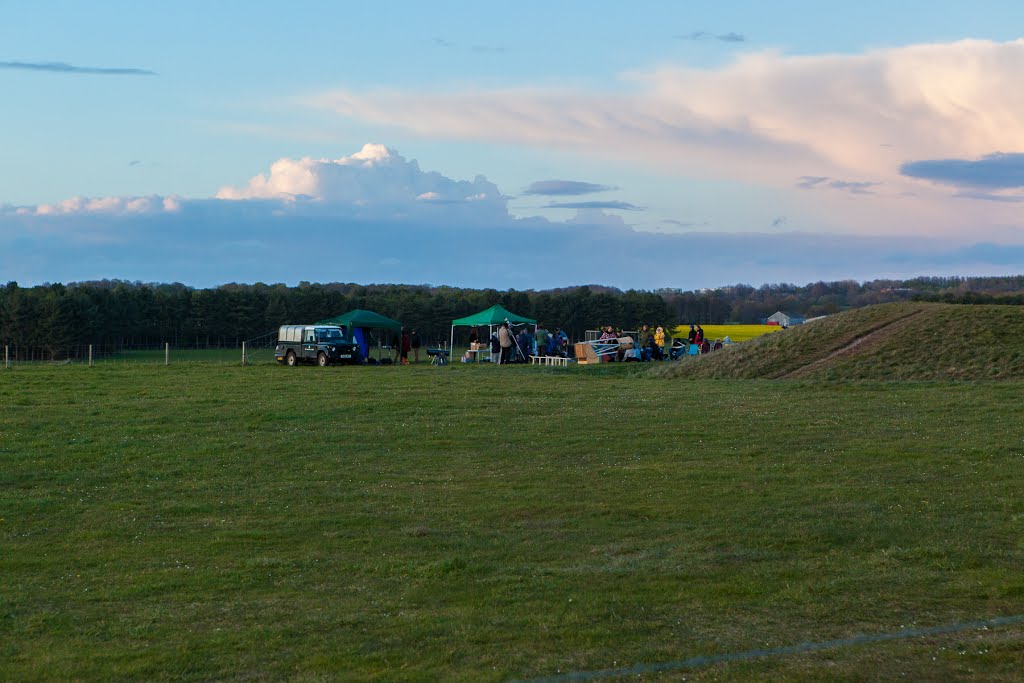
column 438, row 357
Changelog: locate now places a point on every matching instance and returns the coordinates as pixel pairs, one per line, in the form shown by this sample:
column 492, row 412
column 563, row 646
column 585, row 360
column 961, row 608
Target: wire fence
column 153, row 354
column 251, row 351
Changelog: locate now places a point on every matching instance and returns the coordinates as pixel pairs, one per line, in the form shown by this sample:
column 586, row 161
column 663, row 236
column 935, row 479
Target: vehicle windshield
column 329, row 334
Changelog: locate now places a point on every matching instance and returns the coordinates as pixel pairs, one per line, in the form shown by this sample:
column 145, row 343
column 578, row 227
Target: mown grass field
column 176, row 356
column 478, row 523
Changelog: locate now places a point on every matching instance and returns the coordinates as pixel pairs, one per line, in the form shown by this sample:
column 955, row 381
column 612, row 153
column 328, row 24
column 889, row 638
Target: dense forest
column 57, row 317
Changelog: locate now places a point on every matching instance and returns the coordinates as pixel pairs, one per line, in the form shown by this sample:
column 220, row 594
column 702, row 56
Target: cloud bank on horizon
column 375, row 216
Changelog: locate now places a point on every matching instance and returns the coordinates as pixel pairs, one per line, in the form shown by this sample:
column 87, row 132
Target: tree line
column 112, row 313
column 56, row 317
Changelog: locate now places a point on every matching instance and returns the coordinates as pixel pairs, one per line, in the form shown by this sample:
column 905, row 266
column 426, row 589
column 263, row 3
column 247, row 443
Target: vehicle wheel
column 321, row 360
column 291, row 360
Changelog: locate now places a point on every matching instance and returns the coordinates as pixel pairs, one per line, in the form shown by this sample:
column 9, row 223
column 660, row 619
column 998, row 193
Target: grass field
column 190, row 356
column 476, row 523
column 906, row 341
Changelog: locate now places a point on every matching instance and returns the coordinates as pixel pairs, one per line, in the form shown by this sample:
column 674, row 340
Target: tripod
column 515, row 344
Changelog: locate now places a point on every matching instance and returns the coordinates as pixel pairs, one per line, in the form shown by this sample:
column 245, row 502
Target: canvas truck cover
column 290, row 333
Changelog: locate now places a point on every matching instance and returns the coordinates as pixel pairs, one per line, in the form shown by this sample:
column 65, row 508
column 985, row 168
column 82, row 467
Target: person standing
column 691, row 336
column 414, row 340
column 525, row 345
column 542, row 341
column 406, row 345
column 561, row 342
column 495, row 348
column 505, row 342
column 659, row 341
column 645, row 334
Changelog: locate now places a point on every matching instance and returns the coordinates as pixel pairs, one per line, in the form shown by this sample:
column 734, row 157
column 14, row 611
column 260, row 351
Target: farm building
column 785, row 319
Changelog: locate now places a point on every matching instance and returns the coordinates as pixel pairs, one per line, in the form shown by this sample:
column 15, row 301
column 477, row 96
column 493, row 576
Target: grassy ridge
column 483, row 523
column 911, row 341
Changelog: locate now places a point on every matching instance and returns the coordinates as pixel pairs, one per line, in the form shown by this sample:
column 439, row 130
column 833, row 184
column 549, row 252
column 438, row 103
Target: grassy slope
column 894, row 341
column 480, row 523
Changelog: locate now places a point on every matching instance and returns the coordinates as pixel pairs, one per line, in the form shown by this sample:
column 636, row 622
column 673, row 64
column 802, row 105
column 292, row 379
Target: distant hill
column 900, row 341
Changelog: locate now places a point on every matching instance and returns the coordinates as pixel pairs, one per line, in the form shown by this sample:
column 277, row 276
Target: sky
column 534, row 145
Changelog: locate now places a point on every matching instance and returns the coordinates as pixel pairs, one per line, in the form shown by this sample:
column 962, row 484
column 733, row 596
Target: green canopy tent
column 360, row 319
column 492, row 317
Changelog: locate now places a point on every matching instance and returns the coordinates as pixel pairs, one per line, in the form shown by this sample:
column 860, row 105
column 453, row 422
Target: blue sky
column 536, row 145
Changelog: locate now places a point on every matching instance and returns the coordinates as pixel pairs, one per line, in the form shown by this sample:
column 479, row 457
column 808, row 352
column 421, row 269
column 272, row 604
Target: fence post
column 243, row 353
column 7, row 356
column 167, row 354
column 90, row 355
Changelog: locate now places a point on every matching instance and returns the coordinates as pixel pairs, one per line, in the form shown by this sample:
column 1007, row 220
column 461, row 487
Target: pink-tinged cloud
column 767, row 117
column 852, row 113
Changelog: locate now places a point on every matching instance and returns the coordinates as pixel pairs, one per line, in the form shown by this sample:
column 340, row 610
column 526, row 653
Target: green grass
column 189, row 356
column 909, row 341
column 471, row 523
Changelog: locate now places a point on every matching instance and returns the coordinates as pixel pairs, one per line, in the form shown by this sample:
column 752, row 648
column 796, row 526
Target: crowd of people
column 651, row 344
column 506, row 346
column 657, row 344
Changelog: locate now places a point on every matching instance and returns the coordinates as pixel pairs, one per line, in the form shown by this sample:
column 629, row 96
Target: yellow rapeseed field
column 736, row 333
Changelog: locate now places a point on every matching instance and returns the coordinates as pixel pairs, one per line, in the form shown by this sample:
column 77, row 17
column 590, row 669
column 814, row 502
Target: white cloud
column 927, row 101
column 112, row 206
column 768, row 118
column 373, row 176
column 374, row 184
